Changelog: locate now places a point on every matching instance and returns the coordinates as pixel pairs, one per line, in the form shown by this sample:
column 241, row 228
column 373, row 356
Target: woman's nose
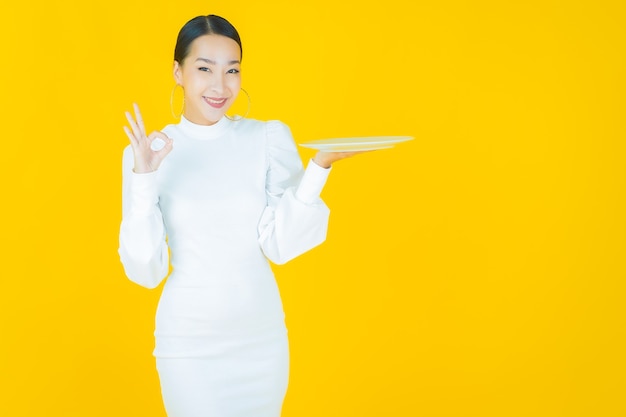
column 217, row 83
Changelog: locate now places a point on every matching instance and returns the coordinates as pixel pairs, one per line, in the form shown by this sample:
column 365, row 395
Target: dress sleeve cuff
column 312, row 183
column 143, row 192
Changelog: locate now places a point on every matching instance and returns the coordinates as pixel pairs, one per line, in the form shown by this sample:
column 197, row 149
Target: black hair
column 200, row 26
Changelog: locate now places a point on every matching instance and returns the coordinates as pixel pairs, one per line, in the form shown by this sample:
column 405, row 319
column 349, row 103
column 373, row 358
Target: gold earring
column 182, row 110
column 238, row 118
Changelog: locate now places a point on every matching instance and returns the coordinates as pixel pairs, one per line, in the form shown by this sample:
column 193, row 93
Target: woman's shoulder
column 271, row 130
column 259, row 124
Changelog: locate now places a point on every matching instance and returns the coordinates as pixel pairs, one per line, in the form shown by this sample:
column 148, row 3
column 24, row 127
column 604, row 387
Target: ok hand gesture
column 150, row 150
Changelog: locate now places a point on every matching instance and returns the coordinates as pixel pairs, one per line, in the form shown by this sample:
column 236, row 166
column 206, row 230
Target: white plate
column 367, row 143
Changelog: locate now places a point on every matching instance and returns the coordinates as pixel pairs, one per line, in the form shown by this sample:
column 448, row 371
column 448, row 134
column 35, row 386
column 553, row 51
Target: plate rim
column 352, row 140
column 356, row 143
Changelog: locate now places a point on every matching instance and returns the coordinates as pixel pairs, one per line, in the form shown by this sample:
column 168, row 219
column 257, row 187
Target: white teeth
column 216, row 101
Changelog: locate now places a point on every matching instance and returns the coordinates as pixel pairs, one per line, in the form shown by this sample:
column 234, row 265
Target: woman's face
column 211, row 77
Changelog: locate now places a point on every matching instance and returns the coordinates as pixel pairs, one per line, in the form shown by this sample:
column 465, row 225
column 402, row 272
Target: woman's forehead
column 216, row 48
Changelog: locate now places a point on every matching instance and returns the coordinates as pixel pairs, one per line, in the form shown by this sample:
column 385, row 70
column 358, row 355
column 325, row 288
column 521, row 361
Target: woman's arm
column 296, row 219
column 142, row 246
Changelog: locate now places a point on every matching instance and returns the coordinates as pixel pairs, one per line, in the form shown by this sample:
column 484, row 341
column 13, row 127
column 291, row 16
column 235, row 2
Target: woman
column 221, row 196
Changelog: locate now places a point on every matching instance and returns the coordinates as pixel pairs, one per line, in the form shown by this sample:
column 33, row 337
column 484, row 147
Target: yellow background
column 475, row 271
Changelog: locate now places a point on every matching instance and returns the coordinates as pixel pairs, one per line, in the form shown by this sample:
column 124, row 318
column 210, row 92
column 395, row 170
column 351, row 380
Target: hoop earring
column 182, row 110
column 238, row 118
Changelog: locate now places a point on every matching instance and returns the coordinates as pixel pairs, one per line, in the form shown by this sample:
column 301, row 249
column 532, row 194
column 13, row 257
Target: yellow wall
column 475, row 271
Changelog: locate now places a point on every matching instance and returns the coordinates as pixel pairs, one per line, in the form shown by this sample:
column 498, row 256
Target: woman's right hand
column 147, row 157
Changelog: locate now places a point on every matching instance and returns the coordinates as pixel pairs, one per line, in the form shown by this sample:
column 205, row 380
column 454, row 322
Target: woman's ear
column 178, row 73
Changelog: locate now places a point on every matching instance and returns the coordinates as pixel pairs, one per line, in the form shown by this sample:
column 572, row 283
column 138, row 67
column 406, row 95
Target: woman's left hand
column 326, row 159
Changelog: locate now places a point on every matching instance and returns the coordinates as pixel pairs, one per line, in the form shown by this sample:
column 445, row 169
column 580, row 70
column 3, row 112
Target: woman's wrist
column 322, row 159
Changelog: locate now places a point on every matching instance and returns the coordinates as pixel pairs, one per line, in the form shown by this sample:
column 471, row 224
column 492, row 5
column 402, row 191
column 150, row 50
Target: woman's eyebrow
column 210, row 61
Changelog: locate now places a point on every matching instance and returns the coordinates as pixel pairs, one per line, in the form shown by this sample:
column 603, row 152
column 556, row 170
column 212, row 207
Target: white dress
column 226, row 199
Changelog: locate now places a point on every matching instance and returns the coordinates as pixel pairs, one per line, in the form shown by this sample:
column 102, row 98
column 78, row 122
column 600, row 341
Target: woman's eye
column 204, row 69
column 233, row 71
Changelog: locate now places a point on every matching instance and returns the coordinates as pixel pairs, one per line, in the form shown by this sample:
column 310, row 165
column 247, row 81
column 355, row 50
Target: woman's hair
column 200, row 26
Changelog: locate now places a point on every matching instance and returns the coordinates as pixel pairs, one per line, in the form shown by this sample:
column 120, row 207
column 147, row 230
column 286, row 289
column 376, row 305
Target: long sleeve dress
column 225, row 200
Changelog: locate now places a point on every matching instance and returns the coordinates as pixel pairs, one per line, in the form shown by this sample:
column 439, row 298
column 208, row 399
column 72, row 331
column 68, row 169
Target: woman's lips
column 216, row 103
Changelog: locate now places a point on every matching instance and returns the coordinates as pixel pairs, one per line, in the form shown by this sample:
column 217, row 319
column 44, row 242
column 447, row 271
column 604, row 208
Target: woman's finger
column 142, row 128
column 159, row 140
column 159, row 134
column 134, row 126
column 132, row 138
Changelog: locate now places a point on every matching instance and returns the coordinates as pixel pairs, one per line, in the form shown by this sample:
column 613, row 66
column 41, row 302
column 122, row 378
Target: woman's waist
column 225, row 296
column 218, row 310
column 220, row 267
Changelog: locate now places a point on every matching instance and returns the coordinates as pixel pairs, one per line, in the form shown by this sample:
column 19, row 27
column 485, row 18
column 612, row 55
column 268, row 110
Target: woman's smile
column 214, row 102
